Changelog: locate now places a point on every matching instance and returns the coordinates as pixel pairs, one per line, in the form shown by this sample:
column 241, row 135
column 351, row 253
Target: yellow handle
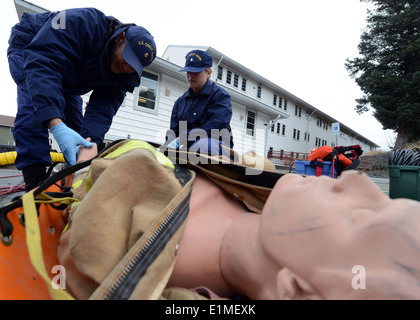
column 7, row 158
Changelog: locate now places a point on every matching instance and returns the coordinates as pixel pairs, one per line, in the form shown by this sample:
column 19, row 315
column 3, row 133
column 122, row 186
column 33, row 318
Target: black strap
column 356, row 151
column 316, row 163
column 249, row 175
column 6, row 225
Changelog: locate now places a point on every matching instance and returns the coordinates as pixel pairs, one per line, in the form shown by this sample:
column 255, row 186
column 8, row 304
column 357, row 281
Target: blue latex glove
column 69, row 140
column 174, row 144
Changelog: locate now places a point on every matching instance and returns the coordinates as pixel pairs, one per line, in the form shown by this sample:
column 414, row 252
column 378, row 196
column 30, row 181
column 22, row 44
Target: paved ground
column 382, row 183
column 11, row 179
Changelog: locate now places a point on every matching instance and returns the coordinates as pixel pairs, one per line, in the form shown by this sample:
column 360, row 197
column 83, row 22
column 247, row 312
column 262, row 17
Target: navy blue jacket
column 210, row 109
column 72, row 60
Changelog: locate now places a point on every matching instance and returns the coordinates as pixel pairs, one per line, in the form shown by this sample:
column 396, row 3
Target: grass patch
column 374, row 153
column 414, row 145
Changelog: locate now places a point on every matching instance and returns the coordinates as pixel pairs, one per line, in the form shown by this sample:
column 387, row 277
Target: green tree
column 388, row 68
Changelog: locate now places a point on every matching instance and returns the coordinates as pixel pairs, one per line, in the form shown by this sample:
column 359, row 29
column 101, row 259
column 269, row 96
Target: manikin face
column 118, row 64
column 332, row 236
column 197, row 80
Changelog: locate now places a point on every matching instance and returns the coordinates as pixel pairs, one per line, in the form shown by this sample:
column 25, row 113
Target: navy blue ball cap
column 197, row 61
column 140, row 49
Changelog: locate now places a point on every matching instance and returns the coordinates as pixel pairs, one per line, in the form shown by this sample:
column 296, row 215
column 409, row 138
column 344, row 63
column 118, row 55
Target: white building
column 265, row 116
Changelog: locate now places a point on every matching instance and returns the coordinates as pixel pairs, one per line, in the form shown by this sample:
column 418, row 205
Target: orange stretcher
column 29, row 267
column 19, row 280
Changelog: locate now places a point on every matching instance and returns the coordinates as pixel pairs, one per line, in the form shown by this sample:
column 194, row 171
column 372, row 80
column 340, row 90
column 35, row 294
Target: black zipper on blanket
column 130, row 277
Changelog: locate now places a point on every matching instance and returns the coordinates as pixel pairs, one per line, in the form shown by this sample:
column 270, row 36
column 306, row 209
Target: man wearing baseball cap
column 138, row 47
column 203, row 112
column 55, row 57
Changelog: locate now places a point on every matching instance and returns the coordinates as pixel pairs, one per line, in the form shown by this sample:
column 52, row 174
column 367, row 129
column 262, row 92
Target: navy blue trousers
column 31, row 137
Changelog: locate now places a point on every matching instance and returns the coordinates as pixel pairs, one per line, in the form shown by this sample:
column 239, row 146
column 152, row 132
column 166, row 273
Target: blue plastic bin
column 304, row 167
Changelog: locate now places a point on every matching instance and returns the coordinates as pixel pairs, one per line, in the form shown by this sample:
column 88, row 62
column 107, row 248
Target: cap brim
column 131, row 58
column 192, row 69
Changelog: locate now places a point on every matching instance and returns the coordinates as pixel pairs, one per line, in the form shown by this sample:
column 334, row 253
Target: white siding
column 287, row 143
column 147, row 125
column 244, row 142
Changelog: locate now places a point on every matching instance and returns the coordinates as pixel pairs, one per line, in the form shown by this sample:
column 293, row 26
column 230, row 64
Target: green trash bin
column 404, row 182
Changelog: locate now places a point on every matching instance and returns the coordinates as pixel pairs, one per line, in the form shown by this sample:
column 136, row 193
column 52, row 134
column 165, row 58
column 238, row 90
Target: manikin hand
column 85, row 154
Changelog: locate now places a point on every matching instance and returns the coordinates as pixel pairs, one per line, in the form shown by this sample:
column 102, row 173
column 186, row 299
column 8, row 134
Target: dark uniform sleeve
column 103, row 105
column 56, row 46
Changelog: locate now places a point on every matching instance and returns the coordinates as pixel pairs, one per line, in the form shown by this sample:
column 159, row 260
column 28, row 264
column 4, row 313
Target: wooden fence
column 285, row 158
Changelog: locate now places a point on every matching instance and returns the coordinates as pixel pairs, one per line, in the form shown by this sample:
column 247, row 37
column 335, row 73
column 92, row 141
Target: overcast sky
column 300, row 45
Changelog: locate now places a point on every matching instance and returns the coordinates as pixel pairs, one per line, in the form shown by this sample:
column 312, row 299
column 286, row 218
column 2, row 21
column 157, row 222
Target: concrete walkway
column 10, row 178
column 382, row 183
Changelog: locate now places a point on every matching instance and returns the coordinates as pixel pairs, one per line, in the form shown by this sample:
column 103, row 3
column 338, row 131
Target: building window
column 307, row 136
column 283, row 130
column 280, row 102
column 236, row 80
column 296, row 134
column 321, row 123
column 220, row 73
column 259, row 92
column 147, row 91
column 275, row 100
column 250, row 123
column 278, row 128
column 229, row 77
column 298, row 111
column 272, row 128
column 320, row 142
column 243, row 84
column 285, row 105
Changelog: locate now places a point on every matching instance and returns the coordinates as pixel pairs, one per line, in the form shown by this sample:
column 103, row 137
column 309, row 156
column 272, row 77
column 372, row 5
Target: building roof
column 25, row 6
column 7, row 121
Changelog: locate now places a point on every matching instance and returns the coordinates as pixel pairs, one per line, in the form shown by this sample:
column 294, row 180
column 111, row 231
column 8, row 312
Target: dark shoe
column 34, row 175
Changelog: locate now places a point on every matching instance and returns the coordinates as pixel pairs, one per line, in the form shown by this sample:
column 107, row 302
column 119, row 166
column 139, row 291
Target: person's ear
column 120, row 37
